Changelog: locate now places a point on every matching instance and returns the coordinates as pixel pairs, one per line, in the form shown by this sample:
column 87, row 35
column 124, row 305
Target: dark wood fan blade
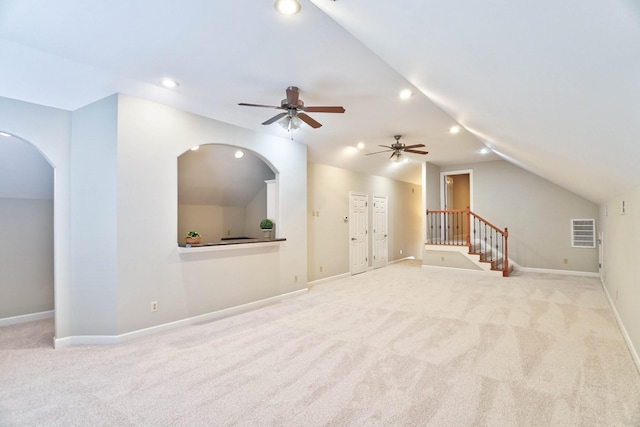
column 393, row 154
column 274, row 118
column 292, row 95
column 324, row 109
column 378, row 152
column 415, row 151
column 308, row 120
column 413, row 146
column 259, row 105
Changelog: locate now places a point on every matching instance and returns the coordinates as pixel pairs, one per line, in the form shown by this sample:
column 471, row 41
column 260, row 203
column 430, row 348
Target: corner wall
column 328, row 233
column 49, row 130
column 150, row 139
column 537, row 212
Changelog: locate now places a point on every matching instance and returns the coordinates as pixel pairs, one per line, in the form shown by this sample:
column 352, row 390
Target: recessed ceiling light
column 405, row 160
column 169, row 83
column 238, row 154
column 485, row 151
column 405, row 94
column 8, row 135
column 454, row 129
column 195, row 148
column 360, row 145
column 287, row 7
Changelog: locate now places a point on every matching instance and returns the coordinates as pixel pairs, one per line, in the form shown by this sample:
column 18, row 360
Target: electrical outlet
column 154, row 306
column 566, row 261
column 320, row 269
column 441, row 258
column 295, row 279
column 400, row 251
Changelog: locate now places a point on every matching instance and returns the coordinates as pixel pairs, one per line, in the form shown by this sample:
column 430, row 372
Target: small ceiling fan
column 398, row 147
column 294, row 107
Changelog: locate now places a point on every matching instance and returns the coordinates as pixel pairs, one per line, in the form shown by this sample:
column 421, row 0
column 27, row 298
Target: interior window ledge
column 229, row 244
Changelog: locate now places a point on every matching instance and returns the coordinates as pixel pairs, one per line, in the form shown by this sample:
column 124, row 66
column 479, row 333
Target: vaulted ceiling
column 550, row 86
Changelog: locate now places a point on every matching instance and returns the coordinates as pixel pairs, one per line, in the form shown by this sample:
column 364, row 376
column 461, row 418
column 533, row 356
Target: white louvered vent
column 583, row 233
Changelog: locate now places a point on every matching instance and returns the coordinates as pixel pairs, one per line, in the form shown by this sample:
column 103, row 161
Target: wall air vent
column 583, row 233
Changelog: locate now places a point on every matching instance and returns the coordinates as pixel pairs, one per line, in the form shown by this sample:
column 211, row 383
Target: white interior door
column 358, row 225
column 380, row 232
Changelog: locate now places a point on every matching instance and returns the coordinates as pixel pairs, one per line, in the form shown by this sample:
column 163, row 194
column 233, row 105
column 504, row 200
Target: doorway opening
column 27, row 281
column 456, row 190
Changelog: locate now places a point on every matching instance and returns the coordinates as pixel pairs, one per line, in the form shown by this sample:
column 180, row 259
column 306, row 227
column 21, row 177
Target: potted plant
column 192, row 238
column 266, row 225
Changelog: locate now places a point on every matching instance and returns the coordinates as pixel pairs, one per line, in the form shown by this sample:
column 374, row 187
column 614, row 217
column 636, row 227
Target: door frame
column 386, row 231
column 443, row 177
column 366, row 227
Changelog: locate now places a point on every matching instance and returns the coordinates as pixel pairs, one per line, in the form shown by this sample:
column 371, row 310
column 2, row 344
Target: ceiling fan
column 294, row 107
column 398, row 147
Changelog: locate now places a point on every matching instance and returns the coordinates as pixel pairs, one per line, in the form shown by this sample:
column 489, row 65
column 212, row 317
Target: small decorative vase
column 192, row 240
column 267, row 233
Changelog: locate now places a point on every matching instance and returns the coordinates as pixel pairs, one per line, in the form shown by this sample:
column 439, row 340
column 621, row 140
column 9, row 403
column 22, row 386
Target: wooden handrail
column 489, row 224
column 467, row 211
column 467, row 235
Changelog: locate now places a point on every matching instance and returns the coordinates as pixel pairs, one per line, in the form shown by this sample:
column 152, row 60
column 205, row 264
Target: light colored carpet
column 396, row 346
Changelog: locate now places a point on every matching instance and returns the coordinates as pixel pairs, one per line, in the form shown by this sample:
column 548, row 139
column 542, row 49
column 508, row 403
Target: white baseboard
column 439, row 267
column 327, row 280
column 215, row 315
column 402, row 259
column 345, row 275
column 550, row 271
column 26, row 318
column 627, row 338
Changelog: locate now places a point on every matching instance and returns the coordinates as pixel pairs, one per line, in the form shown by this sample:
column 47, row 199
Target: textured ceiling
column 550, row 86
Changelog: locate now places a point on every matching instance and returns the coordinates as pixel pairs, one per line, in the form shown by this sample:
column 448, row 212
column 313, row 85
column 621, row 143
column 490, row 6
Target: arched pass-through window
column 222, row 193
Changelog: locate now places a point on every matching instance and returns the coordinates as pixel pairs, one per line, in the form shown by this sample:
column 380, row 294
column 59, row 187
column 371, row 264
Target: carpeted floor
column 396, row 346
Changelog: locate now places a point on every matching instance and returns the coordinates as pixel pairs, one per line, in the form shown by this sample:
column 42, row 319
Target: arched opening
column 26, row 229
column 223, row 193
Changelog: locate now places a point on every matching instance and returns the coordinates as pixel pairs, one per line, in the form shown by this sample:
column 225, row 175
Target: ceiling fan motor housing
column 285, row 104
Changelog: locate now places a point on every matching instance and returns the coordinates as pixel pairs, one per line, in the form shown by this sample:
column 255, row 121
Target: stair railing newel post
column 468, row 226
column 505, row 271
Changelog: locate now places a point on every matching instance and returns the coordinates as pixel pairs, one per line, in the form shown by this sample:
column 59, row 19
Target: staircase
column 486, row 245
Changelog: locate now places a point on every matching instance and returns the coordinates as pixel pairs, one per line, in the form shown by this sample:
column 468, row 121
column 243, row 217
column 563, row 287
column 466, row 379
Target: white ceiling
column 551, row 86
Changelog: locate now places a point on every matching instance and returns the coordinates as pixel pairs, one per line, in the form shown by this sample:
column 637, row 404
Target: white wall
column 120, row 176
column 537, row 212
column 621, row 272
column 94, row 225
column 26, row 256
column 255, row 212
column 49, row 130
column 150, row 138
column 328, row 233
column 205, row 219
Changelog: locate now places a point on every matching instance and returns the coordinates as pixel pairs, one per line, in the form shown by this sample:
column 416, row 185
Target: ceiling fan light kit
column 397, row 148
